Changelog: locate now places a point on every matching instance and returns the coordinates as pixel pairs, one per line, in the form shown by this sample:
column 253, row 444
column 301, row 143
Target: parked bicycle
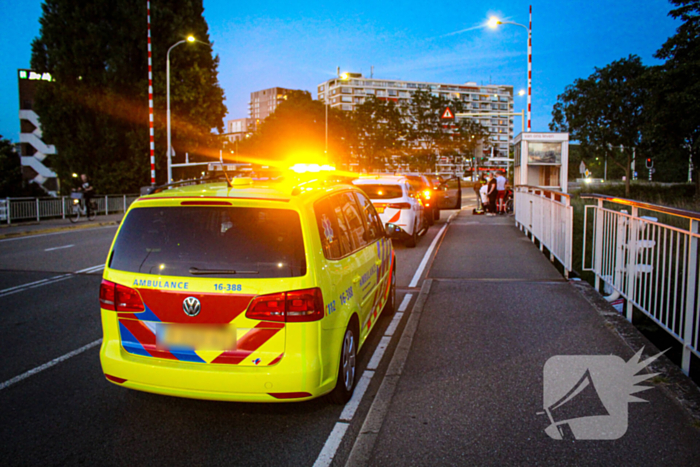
column 78, row 208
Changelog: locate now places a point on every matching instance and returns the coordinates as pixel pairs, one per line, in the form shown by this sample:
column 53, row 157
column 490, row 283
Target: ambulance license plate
column 196, row 337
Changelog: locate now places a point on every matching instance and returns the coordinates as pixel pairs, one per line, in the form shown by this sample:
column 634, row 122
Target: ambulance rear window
column 381, row 191
column 211, row 242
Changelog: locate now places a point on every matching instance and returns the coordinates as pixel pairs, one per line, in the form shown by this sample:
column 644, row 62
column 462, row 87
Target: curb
column 671, row 380
column 361, row 452
column 27, row 233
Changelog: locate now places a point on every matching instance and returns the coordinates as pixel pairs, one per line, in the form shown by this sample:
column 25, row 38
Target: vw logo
column 191, row 306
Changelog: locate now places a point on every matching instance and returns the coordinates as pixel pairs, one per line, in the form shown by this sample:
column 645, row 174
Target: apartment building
column 33, row 150
column 351, row 89
column 238, row 128
column 263, row 103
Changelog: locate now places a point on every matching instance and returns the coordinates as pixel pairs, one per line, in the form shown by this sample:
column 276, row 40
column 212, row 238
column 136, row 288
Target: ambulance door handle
column 356, row 279
column 378, row 262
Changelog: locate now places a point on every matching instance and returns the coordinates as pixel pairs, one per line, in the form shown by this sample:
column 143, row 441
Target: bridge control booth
column 541, row 160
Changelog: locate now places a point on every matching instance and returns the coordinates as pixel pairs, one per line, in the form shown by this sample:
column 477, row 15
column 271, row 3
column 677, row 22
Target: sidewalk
column 472, row 384
column 56, row 225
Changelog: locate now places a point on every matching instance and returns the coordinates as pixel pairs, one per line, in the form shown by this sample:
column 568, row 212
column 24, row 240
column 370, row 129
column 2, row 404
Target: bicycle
column 78, row 208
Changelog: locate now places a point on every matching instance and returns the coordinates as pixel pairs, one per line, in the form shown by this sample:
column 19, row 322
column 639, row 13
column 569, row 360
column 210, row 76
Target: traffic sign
column 447, row 114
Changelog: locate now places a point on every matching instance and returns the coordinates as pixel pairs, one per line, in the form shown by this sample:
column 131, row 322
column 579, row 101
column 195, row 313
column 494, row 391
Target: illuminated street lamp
column 493, row 23
column 167, row 93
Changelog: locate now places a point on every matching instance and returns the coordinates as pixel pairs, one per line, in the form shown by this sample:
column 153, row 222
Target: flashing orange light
column 426, row 193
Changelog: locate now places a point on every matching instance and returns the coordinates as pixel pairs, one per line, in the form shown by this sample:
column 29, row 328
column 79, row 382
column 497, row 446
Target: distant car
column 399, row 204
column 424, row 186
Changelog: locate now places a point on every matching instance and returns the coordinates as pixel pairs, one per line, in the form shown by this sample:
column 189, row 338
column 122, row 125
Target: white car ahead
column 398, row 203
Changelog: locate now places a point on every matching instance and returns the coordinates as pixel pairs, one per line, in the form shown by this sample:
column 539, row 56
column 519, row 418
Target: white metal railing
column 548, row 217
column 653, row 265
column 25, row 209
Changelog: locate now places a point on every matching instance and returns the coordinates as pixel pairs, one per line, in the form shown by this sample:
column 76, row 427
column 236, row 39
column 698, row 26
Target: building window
column 320, row 96
column 369, row 91
column 346, row 90
column 381, row 93
column 346, row 99
column 392, row 93
column 334, row 92
column 404, row 94
column 347, row 107
column 321, row 88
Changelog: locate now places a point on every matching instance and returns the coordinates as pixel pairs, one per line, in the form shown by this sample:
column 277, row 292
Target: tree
column 675, row 117
column 604, row 112
column 297, row 129
column 378, row 132
column 96, row 108
column 439, row 137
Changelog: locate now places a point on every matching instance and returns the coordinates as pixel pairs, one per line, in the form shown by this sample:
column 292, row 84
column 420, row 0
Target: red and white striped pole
column 529, row 72
column 150, row 96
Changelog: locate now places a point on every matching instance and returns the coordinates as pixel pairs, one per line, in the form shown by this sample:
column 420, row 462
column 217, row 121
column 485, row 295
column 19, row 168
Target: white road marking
column 328, row 452
column 50, row 280
column 59, row 247
column 391, row 329
column 406, row 300
column 354, row 402
column 24, row 237
column 378, row 353
column 48, row 365
column 426, row 257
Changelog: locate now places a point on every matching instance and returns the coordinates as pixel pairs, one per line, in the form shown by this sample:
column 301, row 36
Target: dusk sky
column 298, row 45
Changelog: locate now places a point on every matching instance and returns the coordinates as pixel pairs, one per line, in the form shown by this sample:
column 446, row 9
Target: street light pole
column 168, row 156
column 493, row 22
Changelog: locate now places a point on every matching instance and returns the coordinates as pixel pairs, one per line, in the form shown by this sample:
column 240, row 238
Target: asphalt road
column 69, row 414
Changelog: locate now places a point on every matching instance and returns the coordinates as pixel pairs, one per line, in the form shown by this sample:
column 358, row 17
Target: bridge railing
column 38, row 209
column 548, row 217
column 652, row 265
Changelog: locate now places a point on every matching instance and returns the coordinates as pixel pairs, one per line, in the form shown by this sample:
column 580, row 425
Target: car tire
column 413, row 239
column 430, row 215
column 347, row 367
column 390, row 305
column 436, row 214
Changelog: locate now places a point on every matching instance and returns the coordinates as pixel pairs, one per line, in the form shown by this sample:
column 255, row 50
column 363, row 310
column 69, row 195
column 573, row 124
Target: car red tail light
column 117, row 297
column 400, row 206
column 267, row 307
column 297, row 306
column 107, row 295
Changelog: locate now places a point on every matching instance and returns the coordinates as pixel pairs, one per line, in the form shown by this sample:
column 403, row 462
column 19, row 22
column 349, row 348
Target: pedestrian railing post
column 63, row 207
column 689, row 318
column 598, row 243
column 9, row 211
column 124, row 203
column 38, row 217
column 634, row 230
column 106, row 205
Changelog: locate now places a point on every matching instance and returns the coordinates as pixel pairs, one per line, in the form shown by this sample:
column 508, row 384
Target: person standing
column 501, row 192
column 88, row 193
column 492, row 194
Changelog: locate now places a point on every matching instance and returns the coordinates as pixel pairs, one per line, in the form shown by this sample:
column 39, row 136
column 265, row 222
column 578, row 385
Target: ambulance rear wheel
column 347, row 367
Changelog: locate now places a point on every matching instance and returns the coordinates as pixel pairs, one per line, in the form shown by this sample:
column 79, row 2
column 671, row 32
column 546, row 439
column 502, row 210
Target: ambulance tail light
column 267, row 307
column 399, row 206
column 117, row 297
column 304, row 305
column 298, row 306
